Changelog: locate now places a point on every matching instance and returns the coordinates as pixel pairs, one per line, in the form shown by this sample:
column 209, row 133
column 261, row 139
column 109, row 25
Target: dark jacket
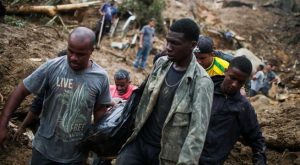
column 231, row 117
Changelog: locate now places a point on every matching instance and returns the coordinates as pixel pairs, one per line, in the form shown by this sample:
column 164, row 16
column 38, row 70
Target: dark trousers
column 105, row 30
column 139, row 153
column 39, row 159
column 252, row 93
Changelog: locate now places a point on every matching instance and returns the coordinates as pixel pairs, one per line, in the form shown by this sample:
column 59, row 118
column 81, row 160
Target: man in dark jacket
column 232, row 116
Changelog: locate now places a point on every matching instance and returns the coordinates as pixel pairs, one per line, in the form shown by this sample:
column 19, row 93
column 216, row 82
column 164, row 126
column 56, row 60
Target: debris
column 49, row 10
column 35, row 59
column 254, row 59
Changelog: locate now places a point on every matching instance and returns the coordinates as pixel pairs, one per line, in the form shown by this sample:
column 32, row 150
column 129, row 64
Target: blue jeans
column 141, row 56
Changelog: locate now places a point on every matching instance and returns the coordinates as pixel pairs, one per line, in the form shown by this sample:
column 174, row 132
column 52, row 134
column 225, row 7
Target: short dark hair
column 188, row 27
column 261, row 66
column 242, row 63
column 122, row 74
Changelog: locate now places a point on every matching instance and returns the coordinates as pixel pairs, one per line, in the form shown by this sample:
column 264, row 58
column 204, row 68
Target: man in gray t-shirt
column 145, row 45
column 75, row 89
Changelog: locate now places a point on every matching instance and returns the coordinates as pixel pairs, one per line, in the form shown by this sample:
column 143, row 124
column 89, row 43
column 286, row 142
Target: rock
column 254, row 59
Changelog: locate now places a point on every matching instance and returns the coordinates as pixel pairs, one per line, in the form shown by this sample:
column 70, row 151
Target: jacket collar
column 190, row 69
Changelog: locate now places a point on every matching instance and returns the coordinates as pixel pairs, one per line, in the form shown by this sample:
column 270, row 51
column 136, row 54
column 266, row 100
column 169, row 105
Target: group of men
column 186, row 115
column 263, row 79
column 146, row 35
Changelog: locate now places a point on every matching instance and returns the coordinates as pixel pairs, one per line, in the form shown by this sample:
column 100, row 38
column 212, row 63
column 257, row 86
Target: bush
column 145, row 10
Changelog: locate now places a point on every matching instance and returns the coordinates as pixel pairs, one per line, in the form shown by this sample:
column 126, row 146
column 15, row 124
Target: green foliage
column 14, row 21
column 145, row 10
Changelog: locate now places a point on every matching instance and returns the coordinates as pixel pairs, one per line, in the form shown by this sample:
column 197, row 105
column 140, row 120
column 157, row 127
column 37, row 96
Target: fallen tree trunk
column 49, row 10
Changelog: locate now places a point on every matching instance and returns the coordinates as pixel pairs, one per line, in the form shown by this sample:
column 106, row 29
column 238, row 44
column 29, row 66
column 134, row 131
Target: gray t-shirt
column 68, row 105
column 148, row 33
column 258, row 83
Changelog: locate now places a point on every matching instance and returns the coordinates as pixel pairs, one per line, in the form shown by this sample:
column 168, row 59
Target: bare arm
column 30, row 117
column 13, row 102
column 141, row 39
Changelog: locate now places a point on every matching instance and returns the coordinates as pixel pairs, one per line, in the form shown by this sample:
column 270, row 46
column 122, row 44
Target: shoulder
column 201, row 77
column 224, row 63
column 97, row 69
column 160, row 61
column 56, row 62
column 245, row 104
column 261, row 72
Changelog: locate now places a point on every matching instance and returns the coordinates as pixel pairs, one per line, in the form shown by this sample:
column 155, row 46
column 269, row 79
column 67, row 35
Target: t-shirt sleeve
column 37, row 81
column 114, row 11
column 257, row 75
column 104, row 97
column 143, row 30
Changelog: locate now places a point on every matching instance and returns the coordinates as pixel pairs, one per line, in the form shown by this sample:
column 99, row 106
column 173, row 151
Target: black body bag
column 107, row 136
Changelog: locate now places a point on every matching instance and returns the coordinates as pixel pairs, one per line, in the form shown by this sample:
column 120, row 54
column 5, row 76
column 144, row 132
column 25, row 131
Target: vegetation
column 14, row 21
column 145, row 10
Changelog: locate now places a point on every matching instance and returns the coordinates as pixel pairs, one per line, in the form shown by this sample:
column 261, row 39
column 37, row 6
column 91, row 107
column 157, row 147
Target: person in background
column 109, row 12
column 174, row 110
column 145, row 45
column 257, row 81
column 270, row 77
column 205, row 56
column 232, row 116
column 122, row 88
column 74, row 88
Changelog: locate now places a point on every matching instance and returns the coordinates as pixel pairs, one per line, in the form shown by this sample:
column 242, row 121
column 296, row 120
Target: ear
column 194, row 44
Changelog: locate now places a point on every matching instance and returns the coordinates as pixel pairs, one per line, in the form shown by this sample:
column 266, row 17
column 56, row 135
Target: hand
column 19, row 132
column 3, row 135
column 141, row 45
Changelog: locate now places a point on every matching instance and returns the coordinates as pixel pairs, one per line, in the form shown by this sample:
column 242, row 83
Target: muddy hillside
column 269, row 29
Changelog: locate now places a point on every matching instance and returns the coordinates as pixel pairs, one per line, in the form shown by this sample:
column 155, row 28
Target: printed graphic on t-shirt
column 73, row 114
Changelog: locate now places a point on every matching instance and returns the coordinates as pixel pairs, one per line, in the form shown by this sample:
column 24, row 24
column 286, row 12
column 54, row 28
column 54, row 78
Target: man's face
column 178, row 48
column 233, row 81
column 268, row 67
column 152, row 23
column 122, row 86
column 204, row 59
column 79, row 52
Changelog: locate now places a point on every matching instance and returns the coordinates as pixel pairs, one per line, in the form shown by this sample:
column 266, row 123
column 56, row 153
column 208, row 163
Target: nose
column 235, row 84
column 119, row 88
column 73, row 57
